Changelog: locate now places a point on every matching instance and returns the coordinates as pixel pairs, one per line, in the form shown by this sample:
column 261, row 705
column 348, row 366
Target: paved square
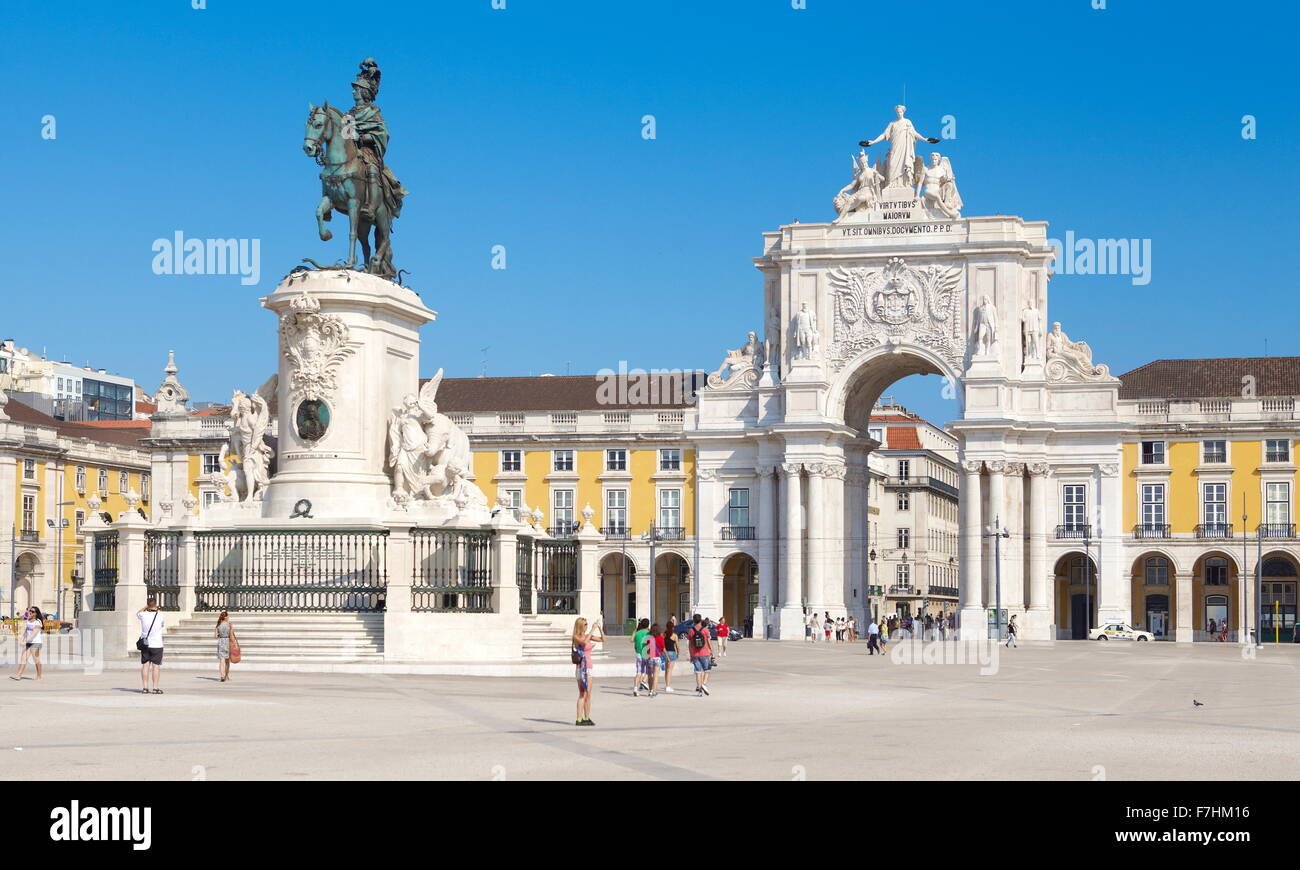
column 1073, row 711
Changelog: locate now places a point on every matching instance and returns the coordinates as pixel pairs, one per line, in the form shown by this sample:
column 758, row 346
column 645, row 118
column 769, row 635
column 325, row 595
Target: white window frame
column 1142, row 453
column 80, row 478
column 29, row 469
column 670, row 507
column 1220, row 505
column 29, row 513
column 1282, row 504
column 903, row 575
column 735, row 510
column 211, row 463
column 123, row 482
column 562, row 457
column 903, row 538
column 1205, row 455
column 1070, row 508
column 904, row 501
column 512, row 456
column 616, row 510
column 562, row 513
column 1286, row 444
column 1153, row 507
column 616, row 459
column 103, row 481
column 670, row 459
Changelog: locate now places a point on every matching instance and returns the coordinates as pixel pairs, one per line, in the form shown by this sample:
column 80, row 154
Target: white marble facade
column 853, row 304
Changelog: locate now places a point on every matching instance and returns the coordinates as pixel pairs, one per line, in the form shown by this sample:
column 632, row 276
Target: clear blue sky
column 522, row 128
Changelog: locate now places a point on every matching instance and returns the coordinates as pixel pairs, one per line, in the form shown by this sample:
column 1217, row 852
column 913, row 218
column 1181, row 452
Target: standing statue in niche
column 901, row 159
column 984, row 332
column 805, row 332
column 1031, row 327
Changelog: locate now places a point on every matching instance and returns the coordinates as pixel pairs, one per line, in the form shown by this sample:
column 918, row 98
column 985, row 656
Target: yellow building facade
column 1209, row 482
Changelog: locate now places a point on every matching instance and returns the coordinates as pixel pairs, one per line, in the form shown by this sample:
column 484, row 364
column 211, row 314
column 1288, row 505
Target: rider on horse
column 372, row 142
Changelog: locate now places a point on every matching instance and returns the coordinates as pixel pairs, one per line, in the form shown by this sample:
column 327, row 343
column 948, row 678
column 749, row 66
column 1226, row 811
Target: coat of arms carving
column 315, row 345
column 898, row 304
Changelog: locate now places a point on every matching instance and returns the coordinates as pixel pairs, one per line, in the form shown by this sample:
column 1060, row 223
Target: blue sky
column 522, row 128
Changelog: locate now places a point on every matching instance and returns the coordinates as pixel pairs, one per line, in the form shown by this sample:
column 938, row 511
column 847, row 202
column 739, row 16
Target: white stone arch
column 883, row 365
column 1138, row 566
column 29, row 568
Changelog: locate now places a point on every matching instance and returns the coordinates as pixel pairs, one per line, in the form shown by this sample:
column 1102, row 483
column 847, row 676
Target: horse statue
column 331, row 140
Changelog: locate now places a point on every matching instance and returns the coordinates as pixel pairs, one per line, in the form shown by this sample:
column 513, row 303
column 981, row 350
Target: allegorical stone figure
column 863, row 191
column 805, row 332
column 940, row 185
column 985, row 331
column 902, row 137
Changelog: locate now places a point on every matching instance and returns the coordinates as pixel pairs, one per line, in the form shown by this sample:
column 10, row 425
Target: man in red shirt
column 697, row 641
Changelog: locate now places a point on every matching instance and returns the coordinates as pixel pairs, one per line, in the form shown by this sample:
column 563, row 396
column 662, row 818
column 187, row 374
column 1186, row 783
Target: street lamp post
column 872, row 557
column 997, row 533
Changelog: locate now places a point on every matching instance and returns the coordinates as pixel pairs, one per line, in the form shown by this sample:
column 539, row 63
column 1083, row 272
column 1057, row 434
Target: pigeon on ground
column 1196, row 703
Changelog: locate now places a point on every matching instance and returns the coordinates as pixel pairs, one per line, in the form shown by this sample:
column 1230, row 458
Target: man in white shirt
column 873, row 639
column 152, row 623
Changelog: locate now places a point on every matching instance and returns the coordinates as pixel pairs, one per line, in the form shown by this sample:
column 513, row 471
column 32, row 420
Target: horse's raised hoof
column 326, row 235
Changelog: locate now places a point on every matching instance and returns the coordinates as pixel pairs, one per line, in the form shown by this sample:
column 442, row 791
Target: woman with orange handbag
column 227, row 645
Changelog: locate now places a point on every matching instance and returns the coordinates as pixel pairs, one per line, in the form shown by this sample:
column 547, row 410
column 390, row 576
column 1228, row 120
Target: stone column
column 706, row 580
column 1114, row 582
column 816, row 548
column 1013, row 548
column 1184, row 629
column 974, row 622
column 505, row 585
column 767, row 529
column 996, row 576
column 836, row 542
column 8, row 522
column 588, row 539
column 791, row 543
column 1039, row 620
column 187, row 563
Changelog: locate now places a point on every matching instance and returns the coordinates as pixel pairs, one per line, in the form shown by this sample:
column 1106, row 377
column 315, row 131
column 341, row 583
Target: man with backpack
column 697, row 641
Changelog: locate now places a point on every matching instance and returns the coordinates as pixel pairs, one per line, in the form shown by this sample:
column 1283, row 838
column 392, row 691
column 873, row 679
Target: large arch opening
column 617, row 590
column 1215, row 612
column 1279, row 576
column 1154, row 590
column 27, row 570
column 740, row 591
column 672, row 588
column 1076, row 595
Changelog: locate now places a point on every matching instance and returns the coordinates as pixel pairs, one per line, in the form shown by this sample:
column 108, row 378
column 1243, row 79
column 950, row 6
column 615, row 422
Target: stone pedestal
column 349, row 351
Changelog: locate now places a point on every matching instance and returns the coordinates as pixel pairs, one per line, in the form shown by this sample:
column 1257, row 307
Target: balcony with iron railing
column 921, row 482
column 1073, row 532
column 616, row 533
column 668, row 533
column 902, row 589
column 944, row 591
column 737, row 533
column 1276, row 530
column 563, row 530
column 29, row 536
column 1151, row 531
column 1214, row 531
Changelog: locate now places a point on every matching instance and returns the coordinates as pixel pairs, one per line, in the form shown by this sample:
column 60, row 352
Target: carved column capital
column 996, row 466
column 835, row 470
column 790, row 469
column 1037, row 469
column 706, row 473
column 972, row 466
column 765, row 470
column 1015, row 469
column 1108, row 469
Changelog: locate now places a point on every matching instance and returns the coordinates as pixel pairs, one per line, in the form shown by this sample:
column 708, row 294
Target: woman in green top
column 639, row 680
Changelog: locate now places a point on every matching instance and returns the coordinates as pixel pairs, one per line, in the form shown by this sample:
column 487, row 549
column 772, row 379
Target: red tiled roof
column 123, row 436
column 902, row 438
column 1213, row 378
column 554, row 393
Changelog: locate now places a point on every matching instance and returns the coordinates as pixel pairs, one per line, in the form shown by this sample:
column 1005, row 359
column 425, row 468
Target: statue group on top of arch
column 429, row 456
column 900, row 167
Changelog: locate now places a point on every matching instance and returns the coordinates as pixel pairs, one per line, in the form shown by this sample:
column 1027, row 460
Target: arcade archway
column 1075, row 595
column 739, row 590
column 617, row 590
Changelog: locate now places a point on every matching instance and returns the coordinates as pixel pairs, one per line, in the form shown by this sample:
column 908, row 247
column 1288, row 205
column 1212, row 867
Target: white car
column 1119, row 631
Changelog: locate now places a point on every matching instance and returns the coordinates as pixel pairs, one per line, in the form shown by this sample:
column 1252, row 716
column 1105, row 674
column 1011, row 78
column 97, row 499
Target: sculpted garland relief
column 898, row 304
column 315, row 345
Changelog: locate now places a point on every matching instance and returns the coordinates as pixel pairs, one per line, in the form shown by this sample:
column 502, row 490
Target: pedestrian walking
column 641, row 679
column 654, row 653
column 227, row 645
column 150, row 644
column 813, row 628
column 724, row 635
column 828, row 625
column 670, row 654
column 583, row 639
column 697, row 642
column 33, row 639
column 873, row 639
column 1012, row 631
column 884, row 634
